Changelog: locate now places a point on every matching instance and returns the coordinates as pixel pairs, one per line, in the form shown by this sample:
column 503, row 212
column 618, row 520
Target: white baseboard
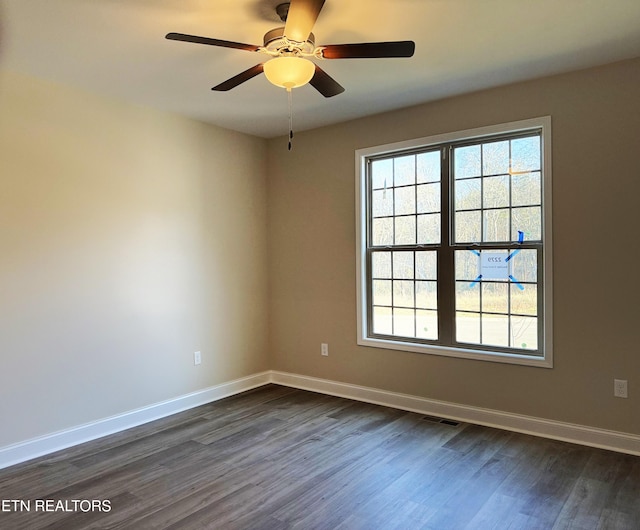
column 43, row 445
column 579, row 434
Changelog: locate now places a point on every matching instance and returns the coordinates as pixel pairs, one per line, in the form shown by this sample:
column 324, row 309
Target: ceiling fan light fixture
column 289, row 72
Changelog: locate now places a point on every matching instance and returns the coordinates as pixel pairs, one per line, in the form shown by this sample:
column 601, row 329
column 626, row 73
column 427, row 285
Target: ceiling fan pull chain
column 290, row 101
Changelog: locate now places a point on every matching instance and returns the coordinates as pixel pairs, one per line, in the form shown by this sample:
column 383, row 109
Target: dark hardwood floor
column 279, row 458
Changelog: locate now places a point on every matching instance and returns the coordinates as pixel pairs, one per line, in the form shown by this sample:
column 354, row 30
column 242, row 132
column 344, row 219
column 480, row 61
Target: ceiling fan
column 291, row 47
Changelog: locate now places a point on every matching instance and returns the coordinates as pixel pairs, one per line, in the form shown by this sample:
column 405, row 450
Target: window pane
column 427, row 265
column 525, row 189
column 525, row 154
column 495, row 297
column 382, row 203
column 527, row 220
column 382, row 174
column 405, row 230
column 382, row 320
column 495, row 330
column 524, row 333
column 403, row 293
column 404, row 322
column 467, row 265
column 428, row 198
column 496, row 225
column 403, row 265
column 524, row 265
column 428, row 167
column 495, row 158
column 427, row 325
column 468, row 328
column 468, row 195
column 382, row 231
column 381, row 292
column 467, row 227
column 427, row 295
column 381, row 264
column 405, row 200
column 467, row 297
column 466, row 161
column 524, row 299
column 404, row 170
column 495, row 192
column 429, row 229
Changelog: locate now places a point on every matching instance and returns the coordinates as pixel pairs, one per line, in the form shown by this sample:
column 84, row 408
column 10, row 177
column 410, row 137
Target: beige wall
column 596, row 191
column 129, row 239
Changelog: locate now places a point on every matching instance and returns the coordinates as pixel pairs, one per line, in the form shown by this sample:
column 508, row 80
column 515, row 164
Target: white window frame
column 542, row 124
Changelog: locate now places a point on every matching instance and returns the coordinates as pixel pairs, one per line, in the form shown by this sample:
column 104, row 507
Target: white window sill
column 448, row 351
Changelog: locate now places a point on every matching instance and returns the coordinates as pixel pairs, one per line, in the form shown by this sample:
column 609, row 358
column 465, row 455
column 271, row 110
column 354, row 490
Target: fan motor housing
column 275, row 41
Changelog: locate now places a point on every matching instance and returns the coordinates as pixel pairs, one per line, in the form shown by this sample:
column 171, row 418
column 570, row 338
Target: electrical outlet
column 197, row 358
column 324, row 349
column 620, row 388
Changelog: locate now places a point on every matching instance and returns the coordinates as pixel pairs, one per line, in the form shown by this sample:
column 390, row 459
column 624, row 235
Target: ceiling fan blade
column 212, row 42
column 368, row 50
column 325, row 84
column 240, row 78
column 301, row 18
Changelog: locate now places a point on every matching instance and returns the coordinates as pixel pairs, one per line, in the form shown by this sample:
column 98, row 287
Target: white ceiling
column 117, row 48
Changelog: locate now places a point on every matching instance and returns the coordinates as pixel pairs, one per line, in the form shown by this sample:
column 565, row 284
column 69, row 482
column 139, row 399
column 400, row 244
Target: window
column 454, row 244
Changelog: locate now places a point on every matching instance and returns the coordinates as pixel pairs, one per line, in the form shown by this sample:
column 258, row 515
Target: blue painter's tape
column 511, row 255
column 475, row 252
column 476, row 280
column 516, row 283
column 520, row 241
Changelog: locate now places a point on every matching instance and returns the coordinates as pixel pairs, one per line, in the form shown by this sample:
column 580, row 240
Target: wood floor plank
column 277, row 458
column 497, row 512
column 584, row 505
column 551, row 491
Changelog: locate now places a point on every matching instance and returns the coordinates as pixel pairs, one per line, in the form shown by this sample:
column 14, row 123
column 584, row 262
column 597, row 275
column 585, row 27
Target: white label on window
column 493, row 266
